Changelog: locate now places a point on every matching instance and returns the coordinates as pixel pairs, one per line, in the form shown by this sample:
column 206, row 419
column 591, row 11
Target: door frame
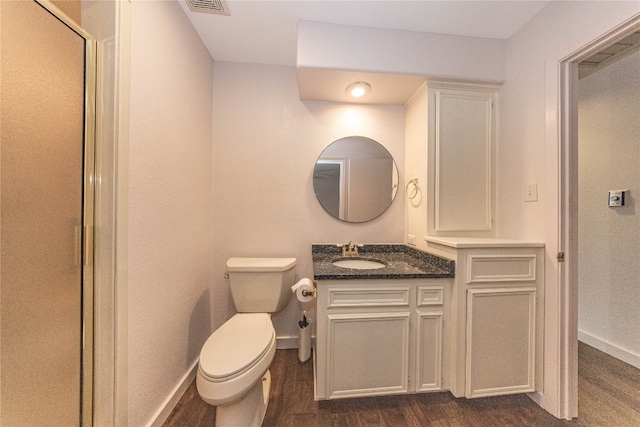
column 568, row 206
column 86, row 233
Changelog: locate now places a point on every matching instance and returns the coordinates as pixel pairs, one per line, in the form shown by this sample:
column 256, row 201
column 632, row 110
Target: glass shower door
column 42, row 106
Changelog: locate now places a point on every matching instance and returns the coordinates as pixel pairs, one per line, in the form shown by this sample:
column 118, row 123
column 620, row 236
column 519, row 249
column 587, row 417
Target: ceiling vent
column 218, row 7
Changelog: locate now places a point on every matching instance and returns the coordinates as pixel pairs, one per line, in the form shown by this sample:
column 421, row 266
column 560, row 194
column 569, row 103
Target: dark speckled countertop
column 402, row 262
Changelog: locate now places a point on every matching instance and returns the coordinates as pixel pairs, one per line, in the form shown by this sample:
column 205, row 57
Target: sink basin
column 358, row 264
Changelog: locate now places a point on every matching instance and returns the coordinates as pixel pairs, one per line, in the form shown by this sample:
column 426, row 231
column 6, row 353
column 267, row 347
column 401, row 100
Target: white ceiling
column 265, row 31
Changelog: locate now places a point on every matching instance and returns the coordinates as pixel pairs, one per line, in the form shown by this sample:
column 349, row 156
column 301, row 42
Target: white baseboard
column 536, row 396
column 609, row 348
column 286, row 343
column 172, row 400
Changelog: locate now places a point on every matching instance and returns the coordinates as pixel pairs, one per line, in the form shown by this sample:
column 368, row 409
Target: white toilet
column 233, row 372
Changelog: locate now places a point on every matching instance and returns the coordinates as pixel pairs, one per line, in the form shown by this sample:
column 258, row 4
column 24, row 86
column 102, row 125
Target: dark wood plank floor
column 608, row 390
column 609, row 395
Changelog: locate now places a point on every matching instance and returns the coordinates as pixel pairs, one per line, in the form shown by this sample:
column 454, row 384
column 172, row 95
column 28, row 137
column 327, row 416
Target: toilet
column 233, row 370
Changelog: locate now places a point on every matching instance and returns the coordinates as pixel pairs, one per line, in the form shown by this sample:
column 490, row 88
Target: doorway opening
column 568, row 235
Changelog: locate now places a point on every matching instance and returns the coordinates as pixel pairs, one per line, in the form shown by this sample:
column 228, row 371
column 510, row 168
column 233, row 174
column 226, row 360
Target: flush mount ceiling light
column 358, row 89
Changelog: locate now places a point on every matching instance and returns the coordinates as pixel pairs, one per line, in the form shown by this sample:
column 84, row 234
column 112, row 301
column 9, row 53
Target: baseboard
column 611, row 349
column 286, row 343
column 172, row 400
column 536, row 396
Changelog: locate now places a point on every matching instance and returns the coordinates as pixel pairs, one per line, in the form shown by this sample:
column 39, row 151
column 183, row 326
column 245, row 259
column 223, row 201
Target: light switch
column 531, row 193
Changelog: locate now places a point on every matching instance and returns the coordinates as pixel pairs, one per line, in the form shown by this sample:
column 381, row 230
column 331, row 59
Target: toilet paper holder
column 305, row 290
column 312, row 293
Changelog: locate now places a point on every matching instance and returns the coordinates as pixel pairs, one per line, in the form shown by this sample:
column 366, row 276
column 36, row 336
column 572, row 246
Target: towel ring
column 415, row 189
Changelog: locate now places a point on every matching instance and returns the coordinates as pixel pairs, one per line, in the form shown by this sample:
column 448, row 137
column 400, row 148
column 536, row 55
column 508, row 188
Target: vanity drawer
column 501, row 268
column 430, row 295
column 372, row 296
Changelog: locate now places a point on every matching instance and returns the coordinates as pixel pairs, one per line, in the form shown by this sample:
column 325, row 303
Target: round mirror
column 355, row 179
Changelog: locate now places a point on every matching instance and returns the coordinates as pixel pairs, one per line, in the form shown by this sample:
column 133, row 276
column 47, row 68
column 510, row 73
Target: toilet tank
column 261, row 285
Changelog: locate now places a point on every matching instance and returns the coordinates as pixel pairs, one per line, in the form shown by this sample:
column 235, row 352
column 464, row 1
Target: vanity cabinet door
column 428, row 336
column 500, row 341
column 428, row 367
column 367, row 354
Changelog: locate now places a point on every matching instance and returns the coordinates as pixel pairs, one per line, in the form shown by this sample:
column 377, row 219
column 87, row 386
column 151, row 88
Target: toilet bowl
column 235, row 357
column 233, row 370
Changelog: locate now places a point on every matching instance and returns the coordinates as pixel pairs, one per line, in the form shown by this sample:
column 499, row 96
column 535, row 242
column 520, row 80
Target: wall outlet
column 411, row 239
column 531, row 193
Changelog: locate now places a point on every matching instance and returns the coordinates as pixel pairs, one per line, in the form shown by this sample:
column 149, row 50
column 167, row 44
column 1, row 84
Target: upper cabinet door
column 462, row 122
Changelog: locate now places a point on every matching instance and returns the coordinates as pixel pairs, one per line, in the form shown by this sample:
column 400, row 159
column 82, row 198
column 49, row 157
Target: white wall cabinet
column 461, row 139
column 380, row 337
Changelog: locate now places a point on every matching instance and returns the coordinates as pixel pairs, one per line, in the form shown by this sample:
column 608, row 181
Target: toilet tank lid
column 260, row 264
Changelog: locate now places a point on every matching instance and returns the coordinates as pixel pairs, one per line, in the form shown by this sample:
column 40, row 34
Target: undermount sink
column 358, row 264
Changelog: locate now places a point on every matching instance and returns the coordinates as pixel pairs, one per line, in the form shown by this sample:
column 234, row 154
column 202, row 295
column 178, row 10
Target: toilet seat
column 237, row 346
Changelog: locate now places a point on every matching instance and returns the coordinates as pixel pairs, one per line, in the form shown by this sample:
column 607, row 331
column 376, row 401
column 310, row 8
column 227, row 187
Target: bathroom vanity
column 381, row 331
column 464, row 320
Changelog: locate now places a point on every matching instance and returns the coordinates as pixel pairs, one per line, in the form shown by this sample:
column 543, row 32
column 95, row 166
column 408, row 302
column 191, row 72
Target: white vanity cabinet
column 377, row 337
column 497, row 315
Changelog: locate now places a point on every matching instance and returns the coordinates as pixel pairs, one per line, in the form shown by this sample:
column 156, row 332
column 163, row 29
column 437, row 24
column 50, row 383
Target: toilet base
column 249, row 411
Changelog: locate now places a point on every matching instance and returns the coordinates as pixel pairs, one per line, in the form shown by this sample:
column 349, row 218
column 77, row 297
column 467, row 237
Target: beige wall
column 609, row 238
column 266, row 142
column 170, row 199
column 416, row 167
column 438, row 56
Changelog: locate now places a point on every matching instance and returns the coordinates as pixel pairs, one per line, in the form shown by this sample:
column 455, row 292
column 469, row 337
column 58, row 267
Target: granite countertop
column 402, row 262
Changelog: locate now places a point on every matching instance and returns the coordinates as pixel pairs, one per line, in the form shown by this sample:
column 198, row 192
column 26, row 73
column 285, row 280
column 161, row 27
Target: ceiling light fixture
column 358, row 89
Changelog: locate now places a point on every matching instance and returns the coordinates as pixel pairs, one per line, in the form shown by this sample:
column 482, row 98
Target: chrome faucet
column 350, row 249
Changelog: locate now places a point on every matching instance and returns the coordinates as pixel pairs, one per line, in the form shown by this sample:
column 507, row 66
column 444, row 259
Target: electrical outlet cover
column 531, row 192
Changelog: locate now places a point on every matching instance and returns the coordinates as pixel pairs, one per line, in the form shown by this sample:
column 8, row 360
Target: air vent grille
column 218, row 7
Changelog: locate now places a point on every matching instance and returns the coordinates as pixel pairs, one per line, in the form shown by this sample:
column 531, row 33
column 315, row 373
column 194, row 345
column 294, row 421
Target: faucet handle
column 349, row 249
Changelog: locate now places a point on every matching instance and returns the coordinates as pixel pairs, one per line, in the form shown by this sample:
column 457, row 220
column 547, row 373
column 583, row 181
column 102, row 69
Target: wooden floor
column 609, row 395
column 608, row 390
